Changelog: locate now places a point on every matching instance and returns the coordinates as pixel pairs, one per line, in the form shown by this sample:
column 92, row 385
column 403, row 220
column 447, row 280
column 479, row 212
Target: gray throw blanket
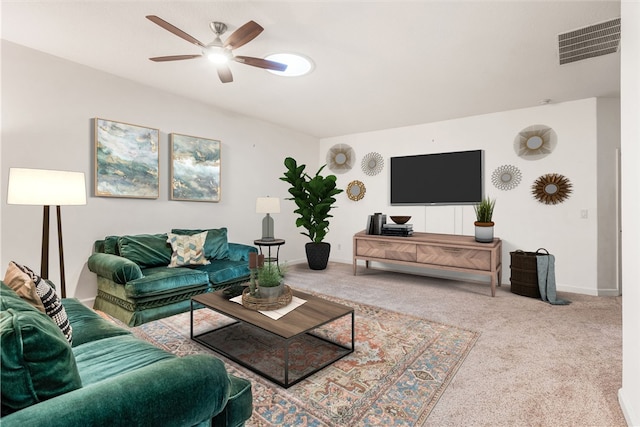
column 547, row 279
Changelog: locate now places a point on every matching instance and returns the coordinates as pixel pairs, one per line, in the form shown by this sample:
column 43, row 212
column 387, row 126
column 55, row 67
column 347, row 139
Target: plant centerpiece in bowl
column 484, row 224
column 270, row 281
column 266, row 290
column 314, row 200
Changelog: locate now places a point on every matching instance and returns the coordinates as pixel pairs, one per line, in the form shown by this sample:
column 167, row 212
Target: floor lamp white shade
column 47, row 188
column 267, row 205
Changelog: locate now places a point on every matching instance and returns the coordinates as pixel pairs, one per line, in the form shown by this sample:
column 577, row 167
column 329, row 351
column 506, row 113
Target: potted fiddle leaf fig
column 314, row 199
column 484, row 224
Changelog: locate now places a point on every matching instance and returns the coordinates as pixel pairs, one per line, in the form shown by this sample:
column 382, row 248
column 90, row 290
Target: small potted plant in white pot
column 484, row 224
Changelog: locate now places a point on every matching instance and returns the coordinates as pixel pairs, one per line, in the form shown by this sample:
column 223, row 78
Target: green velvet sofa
column 106, row 376
column 136, row 284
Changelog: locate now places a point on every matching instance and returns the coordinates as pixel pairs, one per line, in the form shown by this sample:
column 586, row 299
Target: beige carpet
column 534, row 364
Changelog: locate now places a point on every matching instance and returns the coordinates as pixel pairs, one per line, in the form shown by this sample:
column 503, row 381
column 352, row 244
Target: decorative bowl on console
column 400, row 219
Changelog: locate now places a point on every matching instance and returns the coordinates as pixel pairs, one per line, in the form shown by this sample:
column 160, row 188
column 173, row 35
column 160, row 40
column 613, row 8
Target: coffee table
column 287, row 350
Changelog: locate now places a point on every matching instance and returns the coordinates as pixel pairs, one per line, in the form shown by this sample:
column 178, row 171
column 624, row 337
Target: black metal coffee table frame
column 282, row 333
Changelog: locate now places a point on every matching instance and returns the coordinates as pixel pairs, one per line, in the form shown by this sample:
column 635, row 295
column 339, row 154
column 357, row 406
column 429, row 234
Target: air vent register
column 589, row 42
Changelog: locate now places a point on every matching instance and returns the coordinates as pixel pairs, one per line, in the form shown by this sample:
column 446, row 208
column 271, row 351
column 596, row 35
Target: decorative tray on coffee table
column 266, row 304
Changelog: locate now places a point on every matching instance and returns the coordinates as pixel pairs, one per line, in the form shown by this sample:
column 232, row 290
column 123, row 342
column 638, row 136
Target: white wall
column 48, row 106
column 521, row 221
column 608, row 201
column 629, row 394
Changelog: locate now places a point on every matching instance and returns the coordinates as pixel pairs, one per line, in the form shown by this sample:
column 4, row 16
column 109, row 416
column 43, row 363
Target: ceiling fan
column 219, row 52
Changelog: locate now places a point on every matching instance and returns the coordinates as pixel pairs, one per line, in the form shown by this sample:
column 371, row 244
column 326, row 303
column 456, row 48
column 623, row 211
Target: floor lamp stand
column 44, row 254
column 44, row 258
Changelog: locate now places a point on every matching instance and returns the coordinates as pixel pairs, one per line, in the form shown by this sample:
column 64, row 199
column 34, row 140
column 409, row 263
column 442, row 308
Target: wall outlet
column 339, row 246
column 584, row 214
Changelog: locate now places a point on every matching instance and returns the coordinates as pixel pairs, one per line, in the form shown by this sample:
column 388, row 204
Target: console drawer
column 454, row 257
column 386, row 250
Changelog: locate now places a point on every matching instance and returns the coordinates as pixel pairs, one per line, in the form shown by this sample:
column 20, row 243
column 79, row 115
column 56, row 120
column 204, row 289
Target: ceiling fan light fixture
column 218, row 52
column 217, row 55
column 297, row 65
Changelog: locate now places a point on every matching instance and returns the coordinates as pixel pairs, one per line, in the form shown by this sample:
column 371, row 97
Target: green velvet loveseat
column 138, row 283
column 106, row 376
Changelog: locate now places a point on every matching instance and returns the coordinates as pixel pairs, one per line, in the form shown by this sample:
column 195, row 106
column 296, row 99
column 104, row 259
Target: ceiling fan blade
column 175, row 30
column 243, row 35
column 174, row 58
column 224, row 73
column 261, row 63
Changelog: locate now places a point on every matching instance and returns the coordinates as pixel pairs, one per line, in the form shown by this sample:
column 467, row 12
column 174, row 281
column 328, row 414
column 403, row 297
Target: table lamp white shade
column 46, row 187
column 267, row 205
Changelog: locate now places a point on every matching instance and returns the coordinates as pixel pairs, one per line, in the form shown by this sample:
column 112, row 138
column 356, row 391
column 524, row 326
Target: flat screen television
column 454, row 178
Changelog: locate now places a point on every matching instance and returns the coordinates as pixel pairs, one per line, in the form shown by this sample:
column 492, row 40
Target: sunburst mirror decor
column 535, row 142
column 356, row 190
column 551, row 189
column 506, row 177
column 340, row 158
column 372, row 164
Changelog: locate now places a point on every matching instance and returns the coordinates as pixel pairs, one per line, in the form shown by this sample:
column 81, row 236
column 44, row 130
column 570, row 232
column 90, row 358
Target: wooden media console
column 448, row 252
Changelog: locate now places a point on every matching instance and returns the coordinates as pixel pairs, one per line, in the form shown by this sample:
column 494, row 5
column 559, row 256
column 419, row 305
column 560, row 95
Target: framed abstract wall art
column 195, row 168
column 126, row 160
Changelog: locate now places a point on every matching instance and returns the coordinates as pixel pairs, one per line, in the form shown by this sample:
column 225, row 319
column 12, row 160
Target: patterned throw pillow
column 23, row 285
column 187, row 250
column 52, row 304
column 54, row 308
column 216, row 246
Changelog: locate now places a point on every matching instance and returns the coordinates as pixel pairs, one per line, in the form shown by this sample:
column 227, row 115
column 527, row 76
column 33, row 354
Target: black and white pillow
column 52, row 304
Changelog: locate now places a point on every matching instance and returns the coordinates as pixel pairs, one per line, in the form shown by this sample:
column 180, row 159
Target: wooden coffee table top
column 313, row 313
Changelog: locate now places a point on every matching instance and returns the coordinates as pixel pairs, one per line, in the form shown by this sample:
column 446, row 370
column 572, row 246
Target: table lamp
column 47, row 188
column 267, row 205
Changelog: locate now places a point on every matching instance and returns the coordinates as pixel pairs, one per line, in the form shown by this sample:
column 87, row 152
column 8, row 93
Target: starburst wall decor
column 551, row 189
column 372, row 163
column 341, row 158
column 506, row 177
column 535, row 142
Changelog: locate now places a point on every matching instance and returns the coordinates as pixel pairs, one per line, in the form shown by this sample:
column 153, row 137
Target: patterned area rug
column 400, row 368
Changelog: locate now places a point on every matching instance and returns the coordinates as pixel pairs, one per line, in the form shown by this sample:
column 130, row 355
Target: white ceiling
column 378, row 65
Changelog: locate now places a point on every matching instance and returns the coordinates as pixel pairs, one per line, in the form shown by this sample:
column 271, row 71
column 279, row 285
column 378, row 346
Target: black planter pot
column 317, row 255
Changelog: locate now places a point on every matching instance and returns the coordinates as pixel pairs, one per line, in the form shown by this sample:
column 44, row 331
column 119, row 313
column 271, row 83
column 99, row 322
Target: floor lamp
column 47, row 188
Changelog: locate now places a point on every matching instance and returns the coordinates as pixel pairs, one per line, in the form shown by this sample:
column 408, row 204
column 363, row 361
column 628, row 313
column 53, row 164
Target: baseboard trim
column 629, row 415
column 575, row 290
column 592, row 292
column 608, row 293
